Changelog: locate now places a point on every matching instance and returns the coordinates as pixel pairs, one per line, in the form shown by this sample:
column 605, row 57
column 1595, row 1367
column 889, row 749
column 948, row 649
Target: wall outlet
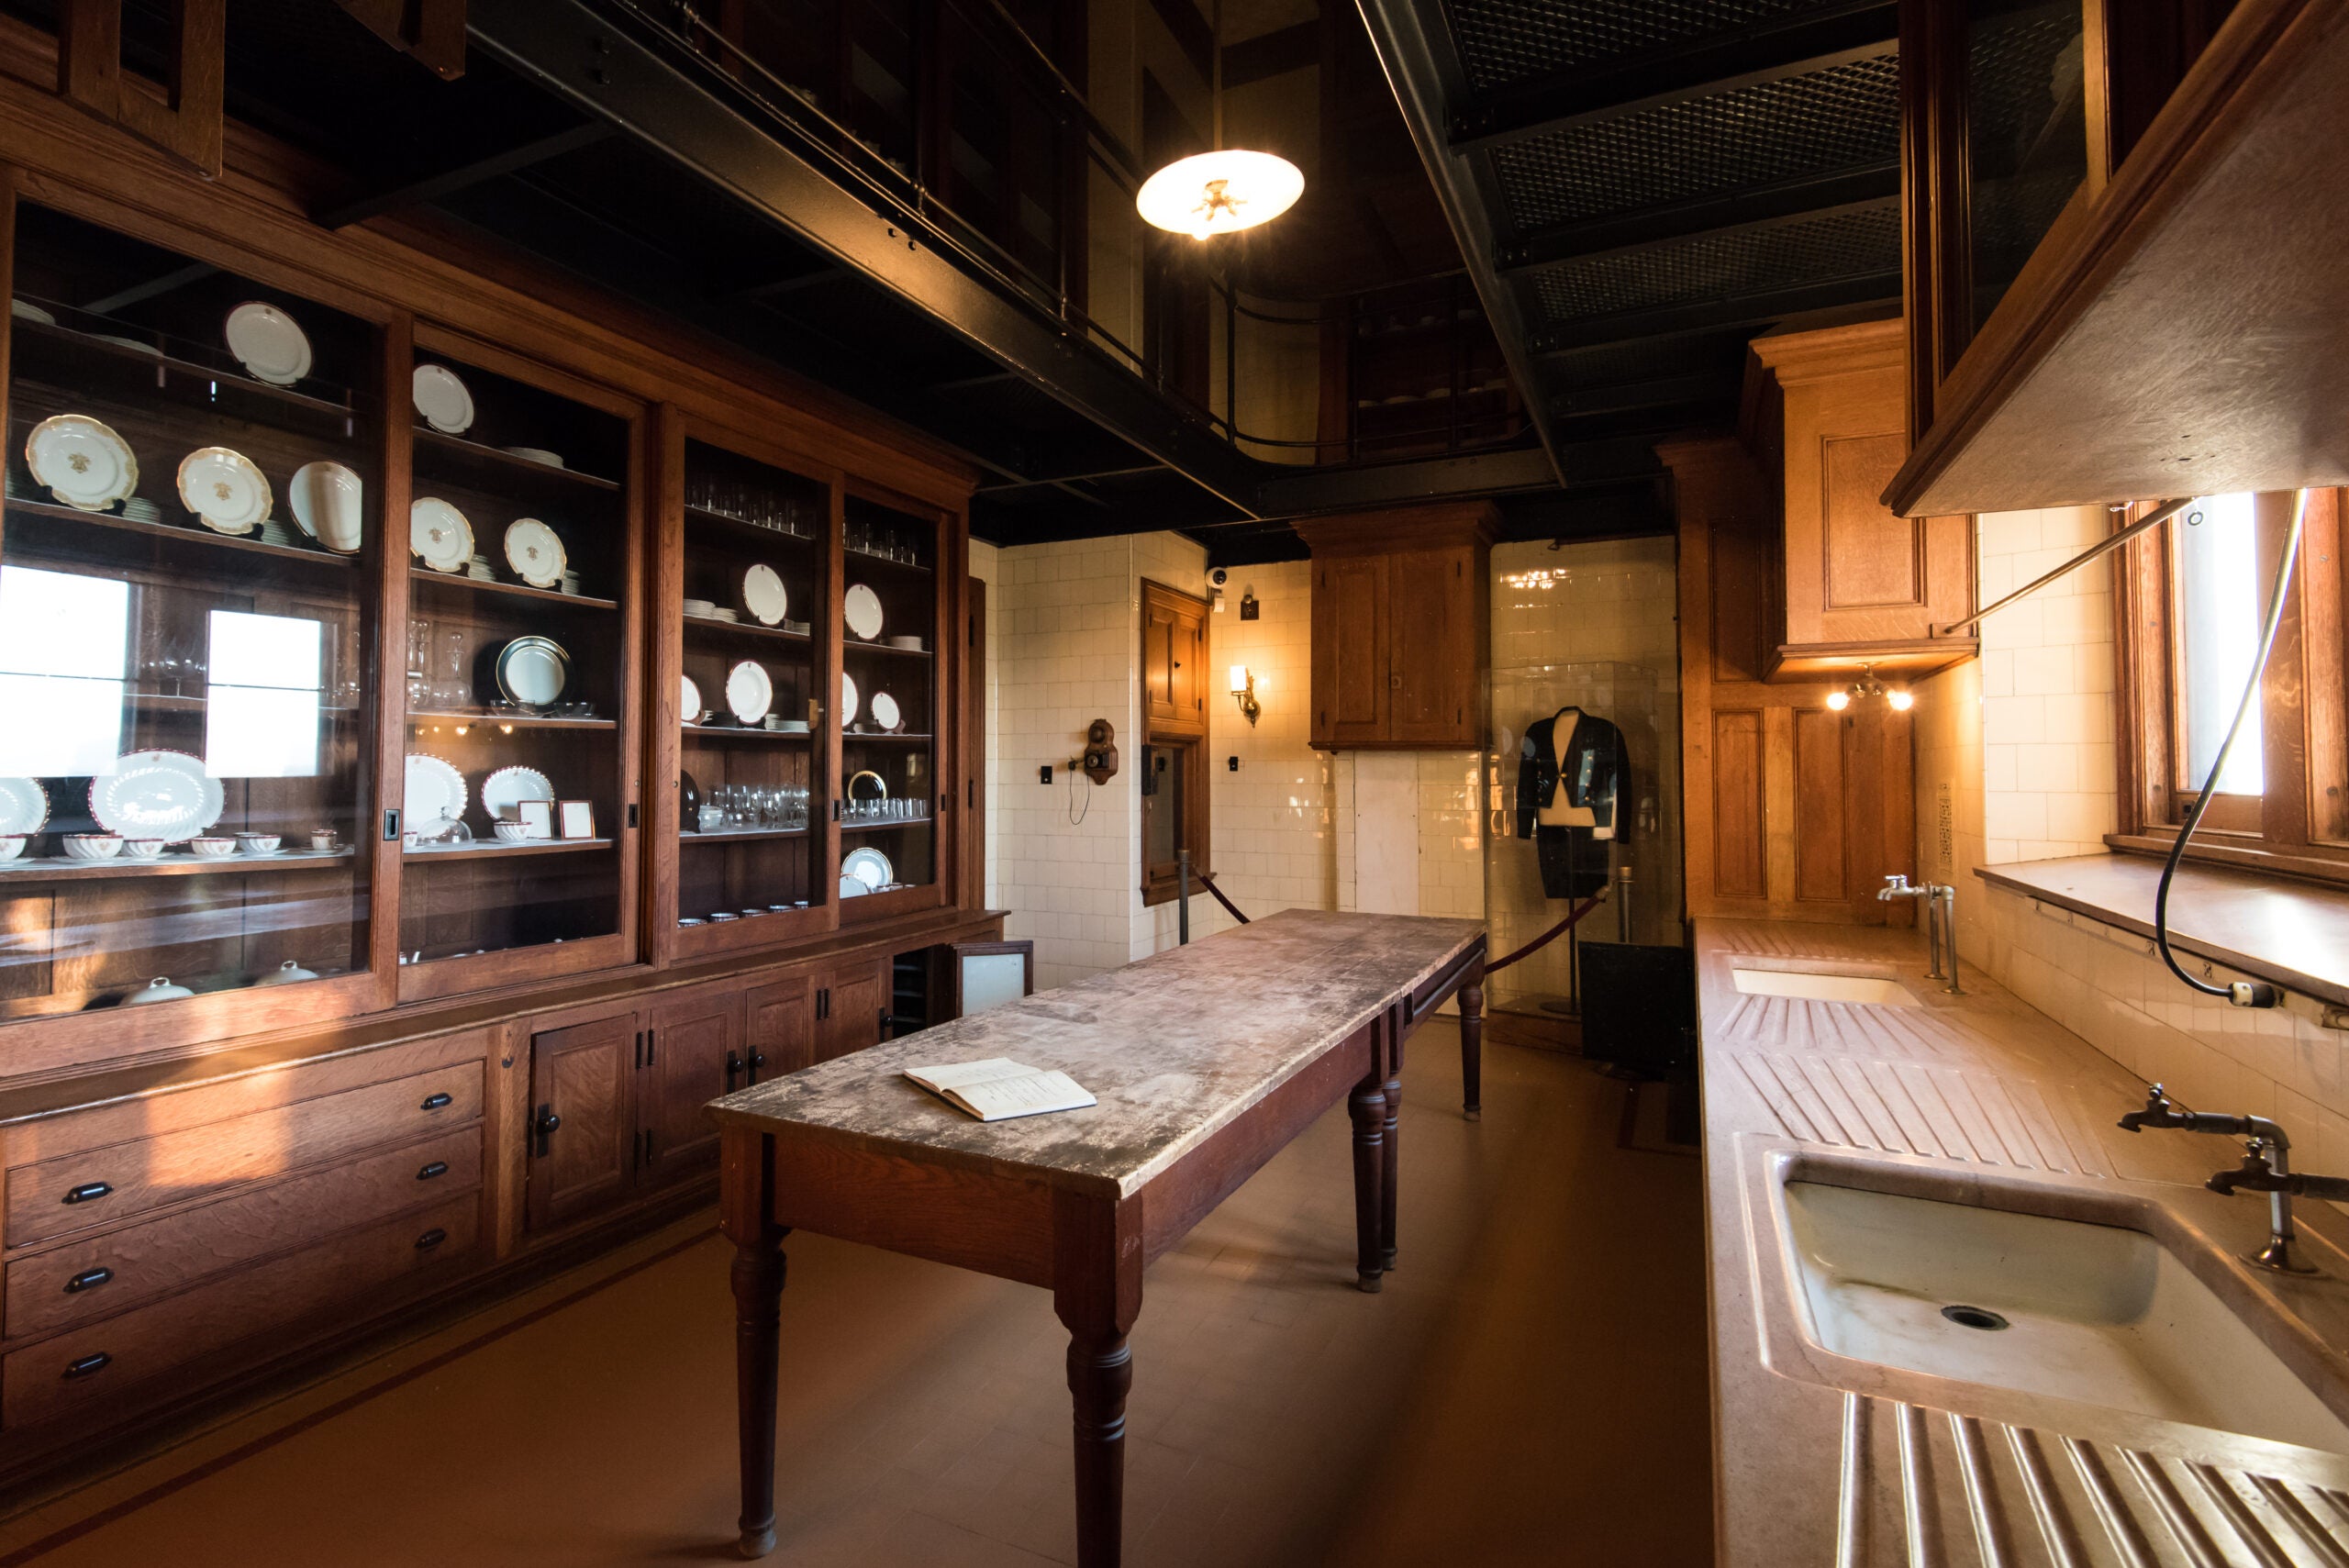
column 1044, row 773
column 1232, row 763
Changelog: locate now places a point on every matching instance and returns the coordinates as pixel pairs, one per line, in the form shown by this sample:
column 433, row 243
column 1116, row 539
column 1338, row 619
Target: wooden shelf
column 498, row 848
column 192, row 533
column 2185, row 330
column 746, row 532
column 885, row 827
column 424, row 574
column 517, row 721
column 171, row 862
column 851, row 737
column 175, row 374
column 850, row 645
column 730, row 733
column 854, row 558
column 487, row 464
column 740, row 835
column 747, row 629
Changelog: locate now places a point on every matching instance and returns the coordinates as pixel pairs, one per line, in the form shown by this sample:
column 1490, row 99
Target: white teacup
column 12, row 845
column 323, row 839
column 93, row 846
column 212, row 848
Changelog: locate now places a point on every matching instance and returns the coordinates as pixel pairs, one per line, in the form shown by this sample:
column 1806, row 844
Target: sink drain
column 1974, row 1318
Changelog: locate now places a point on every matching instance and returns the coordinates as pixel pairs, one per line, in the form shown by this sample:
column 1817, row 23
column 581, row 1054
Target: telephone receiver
column 1100, row 752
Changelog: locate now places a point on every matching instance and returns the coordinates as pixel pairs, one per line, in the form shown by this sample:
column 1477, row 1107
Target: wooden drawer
column 139, row 1263
column 66, row 1374
column 104, row 1184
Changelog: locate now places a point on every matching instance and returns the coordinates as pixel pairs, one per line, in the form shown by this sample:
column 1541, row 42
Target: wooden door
column 688, row 1044
column 781, row 1033
column 1432, row 654
column 849, row 1008
column 583, row 1118
column 1351, row 663
column 1187, row 673
column 1158, row 656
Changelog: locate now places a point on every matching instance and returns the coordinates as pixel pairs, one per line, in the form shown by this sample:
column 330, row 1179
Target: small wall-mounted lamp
column 1243, row 687
column 1899, row 699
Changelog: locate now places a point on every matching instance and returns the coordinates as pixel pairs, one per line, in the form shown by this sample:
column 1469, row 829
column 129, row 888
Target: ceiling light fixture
column 1224, row 191
column 1899, row 699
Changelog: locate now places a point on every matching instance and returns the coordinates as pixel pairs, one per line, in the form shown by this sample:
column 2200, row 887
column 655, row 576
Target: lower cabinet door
column 781, row 1029
column 583, row 1126
column 688, row 1045
column 851, row 1008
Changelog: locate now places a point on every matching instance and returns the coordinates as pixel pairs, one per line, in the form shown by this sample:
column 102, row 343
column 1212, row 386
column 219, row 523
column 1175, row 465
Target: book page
column 958, row 1074
column 997, row 1099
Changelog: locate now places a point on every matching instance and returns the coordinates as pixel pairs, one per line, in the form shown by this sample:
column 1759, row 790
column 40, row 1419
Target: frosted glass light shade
column 1218, row 192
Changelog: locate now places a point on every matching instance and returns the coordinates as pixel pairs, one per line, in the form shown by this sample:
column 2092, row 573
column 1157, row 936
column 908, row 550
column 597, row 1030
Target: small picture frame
column 537, row 816
column 578, row 819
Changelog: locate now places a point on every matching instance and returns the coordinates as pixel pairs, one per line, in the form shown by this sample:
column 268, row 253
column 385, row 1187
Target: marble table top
column 1175, row 1047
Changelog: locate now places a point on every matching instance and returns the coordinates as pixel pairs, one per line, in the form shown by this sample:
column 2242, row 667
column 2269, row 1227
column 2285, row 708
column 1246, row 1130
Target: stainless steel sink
column 1819, row 985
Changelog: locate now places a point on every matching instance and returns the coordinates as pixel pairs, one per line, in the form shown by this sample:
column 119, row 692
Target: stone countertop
column 1174, row 1047
column 1822, row 1461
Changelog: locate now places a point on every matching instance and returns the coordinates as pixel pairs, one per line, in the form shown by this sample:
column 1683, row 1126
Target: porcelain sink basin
column 1817, row 985
column 2040, row 1306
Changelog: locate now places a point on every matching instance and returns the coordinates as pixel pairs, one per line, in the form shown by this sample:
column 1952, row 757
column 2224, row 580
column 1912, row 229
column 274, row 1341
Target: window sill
column 2293, row 933
column 2213, row 849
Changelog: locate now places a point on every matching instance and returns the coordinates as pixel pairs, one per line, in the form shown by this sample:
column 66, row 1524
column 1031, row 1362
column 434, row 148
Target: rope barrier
column 1546, row 938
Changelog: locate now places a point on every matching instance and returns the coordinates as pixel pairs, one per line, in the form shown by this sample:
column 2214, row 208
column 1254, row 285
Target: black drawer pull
column 431, row 1239
column 433, row 1102
column 87, row 1364
column 437, row 1167
column 89, row 1279
column 88, row 1192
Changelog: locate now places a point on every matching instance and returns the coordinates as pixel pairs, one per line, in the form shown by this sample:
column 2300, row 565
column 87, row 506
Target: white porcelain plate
column 268, row 342
column 848, row 699
column 24, row 805
column 82, row 461
column 885, row 711
column 442, row 399
column 439, row 535
column 535, row 553
column 688, row 701
column 749, row 692
column 763, row 595
column 533, row 670
column 330, row 504
column 433, row 791
column 869, row 866
column 157, row 795
column 853, row 887
column 503, row 791
column 861, row 608
column 222, row 486
column 536, row 454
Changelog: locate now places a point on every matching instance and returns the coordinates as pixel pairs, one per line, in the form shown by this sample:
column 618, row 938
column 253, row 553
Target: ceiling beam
column 1755, row 206
column 450, row 180
column 1767, row 50
column 1698, row 388
column 1748, row 313
column 1064, row 480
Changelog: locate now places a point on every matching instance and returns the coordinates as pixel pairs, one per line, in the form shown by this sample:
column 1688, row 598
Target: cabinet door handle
column 89, row 1279
column 431, row 1239
column 758, row 1064
column 547, row 1122
column 437, row 1167
column 88, row 1364
column 651, row 1044
column 88, row 1192
column 733, row 1068
column 433, row 1102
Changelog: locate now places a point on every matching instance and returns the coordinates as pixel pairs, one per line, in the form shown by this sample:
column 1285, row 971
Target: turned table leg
column 1389, row 1178
column 746, row 1199
column 1368, row 1105
column 1472, row 1043
column 1096, row 1292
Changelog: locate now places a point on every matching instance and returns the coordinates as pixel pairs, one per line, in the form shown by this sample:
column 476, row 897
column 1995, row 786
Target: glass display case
column 189, row 564
column 754, row 777
column 892, row 621
column 514, row 831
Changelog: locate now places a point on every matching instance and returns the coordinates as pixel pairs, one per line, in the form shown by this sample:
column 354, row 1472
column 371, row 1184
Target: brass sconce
column 1243, row 687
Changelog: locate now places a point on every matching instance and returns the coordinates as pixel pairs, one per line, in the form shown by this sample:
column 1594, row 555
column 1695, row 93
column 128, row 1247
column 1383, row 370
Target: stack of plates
column 570, row 582
column 275, row 532
column 478, row 570
column 138, row 509
column 724, row 614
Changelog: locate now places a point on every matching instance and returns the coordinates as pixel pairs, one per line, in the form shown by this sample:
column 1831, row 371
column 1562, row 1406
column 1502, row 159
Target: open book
column 999, row 1089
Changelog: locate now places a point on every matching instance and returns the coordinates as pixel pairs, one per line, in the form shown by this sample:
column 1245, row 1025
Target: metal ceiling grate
column 1843, row 117
column 1503, row 41
column 1723, row 266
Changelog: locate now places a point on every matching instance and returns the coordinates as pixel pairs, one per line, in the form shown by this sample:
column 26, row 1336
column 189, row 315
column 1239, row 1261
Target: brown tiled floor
column 1530, row 1389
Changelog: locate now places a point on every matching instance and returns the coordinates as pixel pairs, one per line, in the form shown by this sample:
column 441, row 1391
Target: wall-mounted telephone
column 1100, row 752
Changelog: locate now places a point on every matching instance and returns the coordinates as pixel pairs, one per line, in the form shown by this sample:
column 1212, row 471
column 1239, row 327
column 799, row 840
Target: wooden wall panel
column 1794, row 811
column 1874, row 559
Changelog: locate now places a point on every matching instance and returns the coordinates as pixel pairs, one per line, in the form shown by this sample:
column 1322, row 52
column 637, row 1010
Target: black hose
column 2257, row 994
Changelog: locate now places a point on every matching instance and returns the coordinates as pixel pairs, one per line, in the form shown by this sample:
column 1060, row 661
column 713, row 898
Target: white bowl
column 92, row 846
column 512, row 832
column 12, row 845
column 142, row 849
column 212, row 848
column 259, row 843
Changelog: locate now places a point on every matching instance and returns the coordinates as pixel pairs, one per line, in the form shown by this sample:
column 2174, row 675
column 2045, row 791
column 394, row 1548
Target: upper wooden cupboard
column 1401, row 644
column 349, row 661
column 1825, row 416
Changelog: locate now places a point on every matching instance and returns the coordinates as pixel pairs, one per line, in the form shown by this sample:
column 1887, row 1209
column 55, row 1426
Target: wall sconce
column 1243, row 687
column 1899, row 699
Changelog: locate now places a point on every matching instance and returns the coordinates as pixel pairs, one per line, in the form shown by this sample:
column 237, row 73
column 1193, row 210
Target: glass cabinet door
column 892, row 617
column 519, row 650
column 187, row 566
column 752, row 775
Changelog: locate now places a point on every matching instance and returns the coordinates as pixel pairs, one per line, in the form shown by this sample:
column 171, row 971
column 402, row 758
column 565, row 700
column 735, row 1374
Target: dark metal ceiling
column 1641, row 186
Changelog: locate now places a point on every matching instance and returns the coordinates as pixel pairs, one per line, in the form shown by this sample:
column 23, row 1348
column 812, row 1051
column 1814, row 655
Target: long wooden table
column 1207, row 1061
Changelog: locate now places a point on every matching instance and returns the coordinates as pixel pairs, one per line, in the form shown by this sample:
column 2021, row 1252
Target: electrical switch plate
column 1044, row 773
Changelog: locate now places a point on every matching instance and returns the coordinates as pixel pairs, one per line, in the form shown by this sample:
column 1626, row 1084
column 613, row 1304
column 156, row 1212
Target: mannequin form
column 1570, row 770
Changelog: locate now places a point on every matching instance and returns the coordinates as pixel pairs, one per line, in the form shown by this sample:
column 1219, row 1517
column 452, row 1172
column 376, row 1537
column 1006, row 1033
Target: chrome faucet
column 1941, row 925
column 2265, row 1168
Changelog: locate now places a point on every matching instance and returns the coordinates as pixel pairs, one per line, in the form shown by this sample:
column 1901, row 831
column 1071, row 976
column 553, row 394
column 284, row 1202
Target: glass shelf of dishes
column 188, row 556
column 517, row 654
column 891, row 623
column 753, row 772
